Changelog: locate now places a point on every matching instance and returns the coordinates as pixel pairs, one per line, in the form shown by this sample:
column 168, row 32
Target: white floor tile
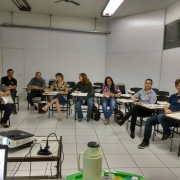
column 69, row 139
column 65, row 132
column 158, row 174
column 83, row 125
column 105, row 132
column 86, row 139
column 175, row 171
column 34, row 166
column 70, row 162
column 44, row 132
column 109, row 139
column 11, row 165
column 133, row 149
column 85, row 132
column 118, row 161
column 27, row 173
column 170, row 160
column 129, row 140
column 147, row 161
column 69, row 149
column 113, row 149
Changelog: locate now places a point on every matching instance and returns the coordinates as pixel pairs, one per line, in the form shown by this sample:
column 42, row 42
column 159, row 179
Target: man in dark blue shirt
column 173, row 106
column 37, row 86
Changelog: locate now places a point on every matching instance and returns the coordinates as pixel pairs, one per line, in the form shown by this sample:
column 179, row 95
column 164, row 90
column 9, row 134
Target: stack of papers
column 100, row 95
column 79, row 94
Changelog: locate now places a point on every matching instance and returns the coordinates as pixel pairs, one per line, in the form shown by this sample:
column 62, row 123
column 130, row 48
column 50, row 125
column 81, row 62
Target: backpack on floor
column 119, row 114
column 95, row 113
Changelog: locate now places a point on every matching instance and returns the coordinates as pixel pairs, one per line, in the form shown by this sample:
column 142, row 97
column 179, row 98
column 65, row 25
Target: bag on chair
column 119, row 114
column 95, row 113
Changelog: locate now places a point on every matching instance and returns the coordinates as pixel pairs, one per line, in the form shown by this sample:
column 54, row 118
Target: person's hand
column 77, row 92
column 61, row 92
column 83, row 101
column 1, row 93
column 46, row 90
column 10, row 87
column 168, row 111
column 138, row 103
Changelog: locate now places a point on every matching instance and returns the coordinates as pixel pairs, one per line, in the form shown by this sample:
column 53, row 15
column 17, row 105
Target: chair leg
column 9, row 122
column 154, row 133
column 18, row 102
column 127, row 124
column 171, row 145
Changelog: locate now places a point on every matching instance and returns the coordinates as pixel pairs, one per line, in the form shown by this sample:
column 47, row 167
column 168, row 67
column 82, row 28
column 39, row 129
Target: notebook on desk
column 3, row 161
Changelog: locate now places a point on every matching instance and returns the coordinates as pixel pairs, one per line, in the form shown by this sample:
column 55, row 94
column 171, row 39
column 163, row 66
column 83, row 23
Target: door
column 14, row 59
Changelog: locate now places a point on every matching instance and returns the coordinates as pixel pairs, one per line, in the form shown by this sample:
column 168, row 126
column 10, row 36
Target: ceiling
column 88, row 8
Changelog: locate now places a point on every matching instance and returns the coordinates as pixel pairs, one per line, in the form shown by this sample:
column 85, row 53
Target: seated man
column 6, row 107
column 11, row 84
column 173, row 106
column 37, row 86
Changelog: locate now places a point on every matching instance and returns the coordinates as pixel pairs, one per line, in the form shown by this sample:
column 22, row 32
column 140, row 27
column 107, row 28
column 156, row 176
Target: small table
column 16, row 155
column 126, row 96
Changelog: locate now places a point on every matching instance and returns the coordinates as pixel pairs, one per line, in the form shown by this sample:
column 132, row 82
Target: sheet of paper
column 5, row 100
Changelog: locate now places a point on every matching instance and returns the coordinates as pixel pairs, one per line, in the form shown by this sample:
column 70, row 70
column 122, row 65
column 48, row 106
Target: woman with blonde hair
column 61, row 98
column 84, row 86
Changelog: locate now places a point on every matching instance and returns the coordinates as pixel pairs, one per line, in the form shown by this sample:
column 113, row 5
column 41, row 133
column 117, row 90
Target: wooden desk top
column 174, row 116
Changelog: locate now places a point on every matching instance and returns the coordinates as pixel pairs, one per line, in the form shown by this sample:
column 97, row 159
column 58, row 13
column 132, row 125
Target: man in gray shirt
column 8, row 108
column 37, row 86
column 145, row 96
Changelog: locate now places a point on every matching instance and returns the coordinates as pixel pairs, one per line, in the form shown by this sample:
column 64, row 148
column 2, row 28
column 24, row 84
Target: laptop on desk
column 3, row 161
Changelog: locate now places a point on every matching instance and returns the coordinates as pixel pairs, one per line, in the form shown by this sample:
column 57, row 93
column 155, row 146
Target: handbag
column 7, row 100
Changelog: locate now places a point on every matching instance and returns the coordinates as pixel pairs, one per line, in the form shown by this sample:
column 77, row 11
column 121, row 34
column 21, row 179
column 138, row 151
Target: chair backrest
column 162, row 98
column 135, row 89
column 98, row 84
column 163, row 93
column 155, row 90
column 71, row 84
column 97, row 89
column 51, row 81
column 122, row 88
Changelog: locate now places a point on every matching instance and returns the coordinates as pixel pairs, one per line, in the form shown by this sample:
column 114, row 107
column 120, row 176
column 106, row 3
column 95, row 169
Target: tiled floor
column 119, row 151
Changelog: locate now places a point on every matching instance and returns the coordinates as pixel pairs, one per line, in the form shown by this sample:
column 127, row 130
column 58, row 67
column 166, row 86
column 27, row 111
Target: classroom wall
column 171, row 57
column 134, row 48
column 31, row 50
column 173, row 13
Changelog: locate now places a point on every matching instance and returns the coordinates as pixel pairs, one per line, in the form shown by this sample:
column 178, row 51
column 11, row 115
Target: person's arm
column 30, row 84
column 136, row 96
column 5, row 91
column 89, row 91
column 15, row 85
column 153, row 98
column 107, row 92
column 118, row 91
column 75, row 87
column 64, row 92
column 49, row 89
column 167, row 110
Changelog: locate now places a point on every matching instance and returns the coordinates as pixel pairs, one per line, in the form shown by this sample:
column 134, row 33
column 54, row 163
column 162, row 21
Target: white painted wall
column 171, row 57
column 173, row 13
column 53, row 51
column 134, row 48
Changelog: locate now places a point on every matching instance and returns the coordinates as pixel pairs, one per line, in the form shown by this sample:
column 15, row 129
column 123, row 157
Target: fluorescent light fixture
column 22, row 5
column 111, row 7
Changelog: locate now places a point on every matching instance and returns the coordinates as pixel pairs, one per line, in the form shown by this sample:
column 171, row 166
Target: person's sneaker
column 166, row 136
column 14, row 111
column 106, row 121
column 88, row 120
column 143, row 145
column 132, row 135
column 79, row 119
column 35, row 107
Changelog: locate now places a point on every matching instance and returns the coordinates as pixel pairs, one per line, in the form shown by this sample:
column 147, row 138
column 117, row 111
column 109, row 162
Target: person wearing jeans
column 89, row 102
column 84, row 86
column 112, row 91
column 173, row 106
column 145, row 96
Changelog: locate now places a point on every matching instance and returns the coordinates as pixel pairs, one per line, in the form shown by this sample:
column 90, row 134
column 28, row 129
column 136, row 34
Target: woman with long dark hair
column 112, row 91
column 84, row 86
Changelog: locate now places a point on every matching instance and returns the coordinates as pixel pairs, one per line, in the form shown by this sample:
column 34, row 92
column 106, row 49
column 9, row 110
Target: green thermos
column 92, row 162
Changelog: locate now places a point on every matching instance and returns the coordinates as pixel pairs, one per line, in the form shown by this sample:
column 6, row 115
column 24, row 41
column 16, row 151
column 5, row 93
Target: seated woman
column 112, row 91
column 145, row 96
column 84, row 86
column 8, row 108
column 61, row 98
